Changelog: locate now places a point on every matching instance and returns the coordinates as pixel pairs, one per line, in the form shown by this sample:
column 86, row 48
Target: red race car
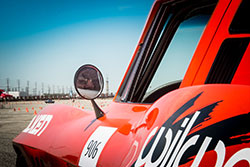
column 184, row 100
column 4, row 95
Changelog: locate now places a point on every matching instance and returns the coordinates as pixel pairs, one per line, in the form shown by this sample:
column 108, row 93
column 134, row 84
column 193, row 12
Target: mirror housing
column 88, row 82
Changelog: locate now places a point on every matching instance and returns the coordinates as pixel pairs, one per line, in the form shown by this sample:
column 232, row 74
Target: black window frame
column 227, row 60
column 240, row 23
column 133, row 88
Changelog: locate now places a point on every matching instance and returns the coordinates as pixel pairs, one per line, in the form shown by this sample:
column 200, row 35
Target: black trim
column 227, row 60
column 241, row 23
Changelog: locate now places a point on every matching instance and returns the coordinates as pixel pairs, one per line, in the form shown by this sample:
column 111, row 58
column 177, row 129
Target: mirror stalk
column 98, row 112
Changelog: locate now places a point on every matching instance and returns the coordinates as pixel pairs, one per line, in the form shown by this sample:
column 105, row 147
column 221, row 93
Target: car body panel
column 72, row 126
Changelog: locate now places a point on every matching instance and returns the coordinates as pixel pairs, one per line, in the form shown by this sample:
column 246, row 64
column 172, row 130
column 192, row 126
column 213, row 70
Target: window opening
column 227, row 60
column 241, row 23
column 166, row 51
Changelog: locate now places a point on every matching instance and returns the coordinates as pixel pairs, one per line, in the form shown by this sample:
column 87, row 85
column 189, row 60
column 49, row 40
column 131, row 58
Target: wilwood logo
column 167, row 149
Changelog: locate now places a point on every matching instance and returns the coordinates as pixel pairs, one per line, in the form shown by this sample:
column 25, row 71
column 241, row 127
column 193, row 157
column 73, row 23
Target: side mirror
column 88, row 82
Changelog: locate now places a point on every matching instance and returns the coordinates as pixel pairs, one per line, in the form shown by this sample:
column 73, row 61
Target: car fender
column 57, row 130
column 204, row 125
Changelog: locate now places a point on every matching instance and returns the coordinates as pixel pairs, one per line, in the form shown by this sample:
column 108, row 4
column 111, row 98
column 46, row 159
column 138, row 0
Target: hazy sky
column 48, row 40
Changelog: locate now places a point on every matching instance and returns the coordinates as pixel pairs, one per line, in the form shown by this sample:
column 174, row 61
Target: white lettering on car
column 175, row 148
column 38, row 124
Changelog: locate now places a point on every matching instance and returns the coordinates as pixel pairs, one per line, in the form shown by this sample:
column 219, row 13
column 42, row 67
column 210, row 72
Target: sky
column 46, row 41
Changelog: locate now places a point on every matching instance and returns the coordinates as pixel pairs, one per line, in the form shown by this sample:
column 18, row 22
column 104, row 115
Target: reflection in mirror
column 88, row 82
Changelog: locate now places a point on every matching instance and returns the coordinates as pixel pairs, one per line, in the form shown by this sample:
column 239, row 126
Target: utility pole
column 27, row 88
column 8, row 85
column 42, row 88
column 35, row 88
column 18, row 85
column 107, row 87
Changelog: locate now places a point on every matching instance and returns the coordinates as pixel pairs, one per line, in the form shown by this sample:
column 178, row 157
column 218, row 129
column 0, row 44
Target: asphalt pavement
column 15, row 116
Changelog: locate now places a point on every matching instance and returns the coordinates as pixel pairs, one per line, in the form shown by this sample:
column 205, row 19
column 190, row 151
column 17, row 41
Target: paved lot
column 15, row 116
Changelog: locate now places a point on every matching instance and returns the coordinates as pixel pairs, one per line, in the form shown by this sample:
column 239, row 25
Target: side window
column 165, row 73
column 227, row 60
column 166, row 51
column 176, row 59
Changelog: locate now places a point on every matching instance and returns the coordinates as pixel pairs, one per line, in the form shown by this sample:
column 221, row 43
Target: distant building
column 14, row 93
column 18, row 93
